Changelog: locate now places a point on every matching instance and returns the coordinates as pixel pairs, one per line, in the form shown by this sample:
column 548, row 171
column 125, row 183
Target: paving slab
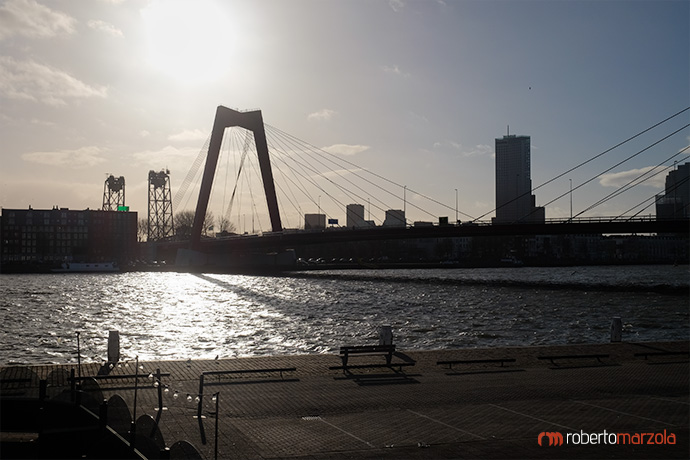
column 472, row 410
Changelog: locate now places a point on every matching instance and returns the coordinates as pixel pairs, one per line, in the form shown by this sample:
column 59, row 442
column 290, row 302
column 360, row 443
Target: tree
column 142, row 229
column 224, row 225
column 184, row 221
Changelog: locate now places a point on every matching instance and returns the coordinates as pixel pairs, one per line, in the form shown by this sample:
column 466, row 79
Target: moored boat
column 90, row 267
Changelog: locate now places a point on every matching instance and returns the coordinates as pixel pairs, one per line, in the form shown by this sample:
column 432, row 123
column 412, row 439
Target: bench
column 475, row 361
column 662, row 353
column 252, row 371
column 364, row 350
column 553, row 358
column 386, row 350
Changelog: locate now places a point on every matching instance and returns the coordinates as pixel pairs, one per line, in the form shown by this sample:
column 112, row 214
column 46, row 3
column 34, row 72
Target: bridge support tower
column 160, row 218
column 113, row 193
column 252, row 121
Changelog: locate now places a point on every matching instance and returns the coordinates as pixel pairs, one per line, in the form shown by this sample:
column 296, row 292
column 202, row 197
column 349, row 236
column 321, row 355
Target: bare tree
column 142, row 229
column 224, row 225
column 184, row 221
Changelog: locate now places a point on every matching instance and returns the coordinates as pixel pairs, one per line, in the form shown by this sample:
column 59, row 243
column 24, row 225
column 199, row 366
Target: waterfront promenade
column 426, row 410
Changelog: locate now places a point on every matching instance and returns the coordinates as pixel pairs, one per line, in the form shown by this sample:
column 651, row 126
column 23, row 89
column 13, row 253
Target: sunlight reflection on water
column 181, row 316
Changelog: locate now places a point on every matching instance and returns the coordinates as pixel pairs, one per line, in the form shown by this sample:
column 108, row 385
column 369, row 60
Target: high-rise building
column 514, row 200
column 674, row 203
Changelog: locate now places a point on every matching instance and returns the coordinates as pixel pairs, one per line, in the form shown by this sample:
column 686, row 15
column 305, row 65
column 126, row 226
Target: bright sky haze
column 415, row 91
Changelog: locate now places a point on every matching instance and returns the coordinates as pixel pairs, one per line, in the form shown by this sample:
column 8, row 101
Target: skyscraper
column 514, row 199
column 674, row 203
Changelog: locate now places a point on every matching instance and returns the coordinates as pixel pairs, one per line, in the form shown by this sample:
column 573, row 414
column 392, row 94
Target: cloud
column 188, row 135
column 29, row 19
column 76, row 159
column 476, row 151
column 619, row 179
column 394, row 70
column 176, row 159
column 32, row 81
column 97, row 24
column 396, row 5
column 322, row 115
column 345, row 149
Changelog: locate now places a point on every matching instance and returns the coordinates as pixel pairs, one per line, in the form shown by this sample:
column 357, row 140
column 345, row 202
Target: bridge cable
column 375, row 175
column 614, row 166
column 586, row 162
column 634, row 182
column 191, row 174
column 349, row 193
column 681, row 182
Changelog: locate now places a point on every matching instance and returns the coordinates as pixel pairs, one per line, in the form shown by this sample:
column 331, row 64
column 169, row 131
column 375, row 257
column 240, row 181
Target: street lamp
column 456, row 206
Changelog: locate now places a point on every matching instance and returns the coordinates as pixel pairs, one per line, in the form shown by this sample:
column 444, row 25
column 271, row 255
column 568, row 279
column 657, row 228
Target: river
column 182, row 316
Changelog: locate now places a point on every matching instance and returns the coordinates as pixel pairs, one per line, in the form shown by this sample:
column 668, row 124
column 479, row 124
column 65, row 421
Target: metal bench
column 553, row 358
column 369, row 350
column 450, row 363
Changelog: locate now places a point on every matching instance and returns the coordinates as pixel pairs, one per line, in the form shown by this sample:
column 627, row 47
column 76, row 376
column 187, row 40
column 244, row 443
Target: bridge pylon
column 252, row 121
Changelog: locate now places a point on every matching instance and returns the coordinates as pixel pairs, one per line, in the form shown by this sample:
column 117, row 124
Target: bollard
column 113, row 347
column 385, row 335
column 616, row 329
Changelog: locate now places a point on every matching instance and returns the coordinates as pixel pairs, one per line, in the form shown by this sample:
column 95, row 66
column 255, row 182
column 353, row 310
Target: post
column 160, row 407
column 215, row 448
column 571, row 199
column 42, row 389
column 201, row 397
column 616, row 329
column 113, row 347
column 79, row 356
column 103, row 414
column 385, row 335
column 133, row 429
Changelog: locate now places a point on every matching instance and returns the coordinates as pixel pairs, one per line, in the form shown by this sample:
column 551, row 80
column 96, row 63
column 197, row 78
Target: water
column 181, row 316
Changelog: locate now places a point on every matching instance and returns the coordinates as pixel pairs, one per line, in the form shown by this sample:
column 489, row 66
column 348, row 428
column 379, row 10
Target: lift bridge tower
column 160, row 221
column 114, row 193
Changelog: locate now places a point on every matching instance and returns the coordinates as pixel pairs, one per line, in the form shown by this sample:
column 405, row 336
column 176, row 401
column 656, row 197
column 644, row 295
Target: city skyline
column 415, row 91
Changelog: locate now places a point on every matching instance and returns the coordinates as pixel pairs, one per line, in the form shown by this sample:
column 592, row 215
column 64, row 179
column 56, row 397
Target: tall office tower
column 674, row 203
column 514, row 199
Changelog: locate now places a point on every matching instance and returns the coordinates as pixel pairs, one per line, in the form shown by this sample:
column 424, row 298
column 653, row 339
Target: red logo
column 555, row 438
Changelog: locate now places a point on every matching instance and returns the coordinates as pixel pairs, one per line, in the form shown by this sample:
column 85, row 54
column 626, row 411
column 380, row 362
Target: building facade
column 514, row 200
column 674, row 203
column 394, row 218
column 44, row 238
column 314, row 221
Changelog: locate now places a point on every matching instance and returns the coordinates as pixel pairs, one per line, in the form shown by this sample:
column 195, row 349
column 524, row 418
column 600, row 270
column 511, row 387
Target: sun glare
column 187, row 40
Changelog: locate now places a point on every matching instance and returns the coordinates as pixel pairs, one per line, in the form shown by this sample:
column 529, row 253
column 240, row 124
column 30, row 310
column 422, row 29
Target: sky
column 415, row 91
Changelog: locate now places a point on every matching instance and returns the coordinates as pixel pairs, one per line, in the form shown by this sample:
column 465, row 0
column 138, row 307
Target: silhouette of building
column 354, row 214
column 38, row 238
column 314, row 221
column 394, row 218
column 514, row 200
column 674, row 203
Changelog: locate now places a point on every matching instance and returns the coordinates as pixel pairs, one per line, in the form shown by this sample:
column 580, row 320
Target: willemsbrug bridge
column 199, row 251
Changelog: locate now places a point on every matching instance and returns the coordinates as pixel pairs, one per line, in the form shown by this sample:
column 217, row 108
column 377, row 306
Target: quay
column 452, row 403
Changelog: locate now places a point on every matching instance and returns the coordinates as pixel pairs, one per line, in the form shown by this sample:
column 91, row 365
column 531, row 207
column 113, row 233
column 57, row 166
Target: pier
column 463, row 403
